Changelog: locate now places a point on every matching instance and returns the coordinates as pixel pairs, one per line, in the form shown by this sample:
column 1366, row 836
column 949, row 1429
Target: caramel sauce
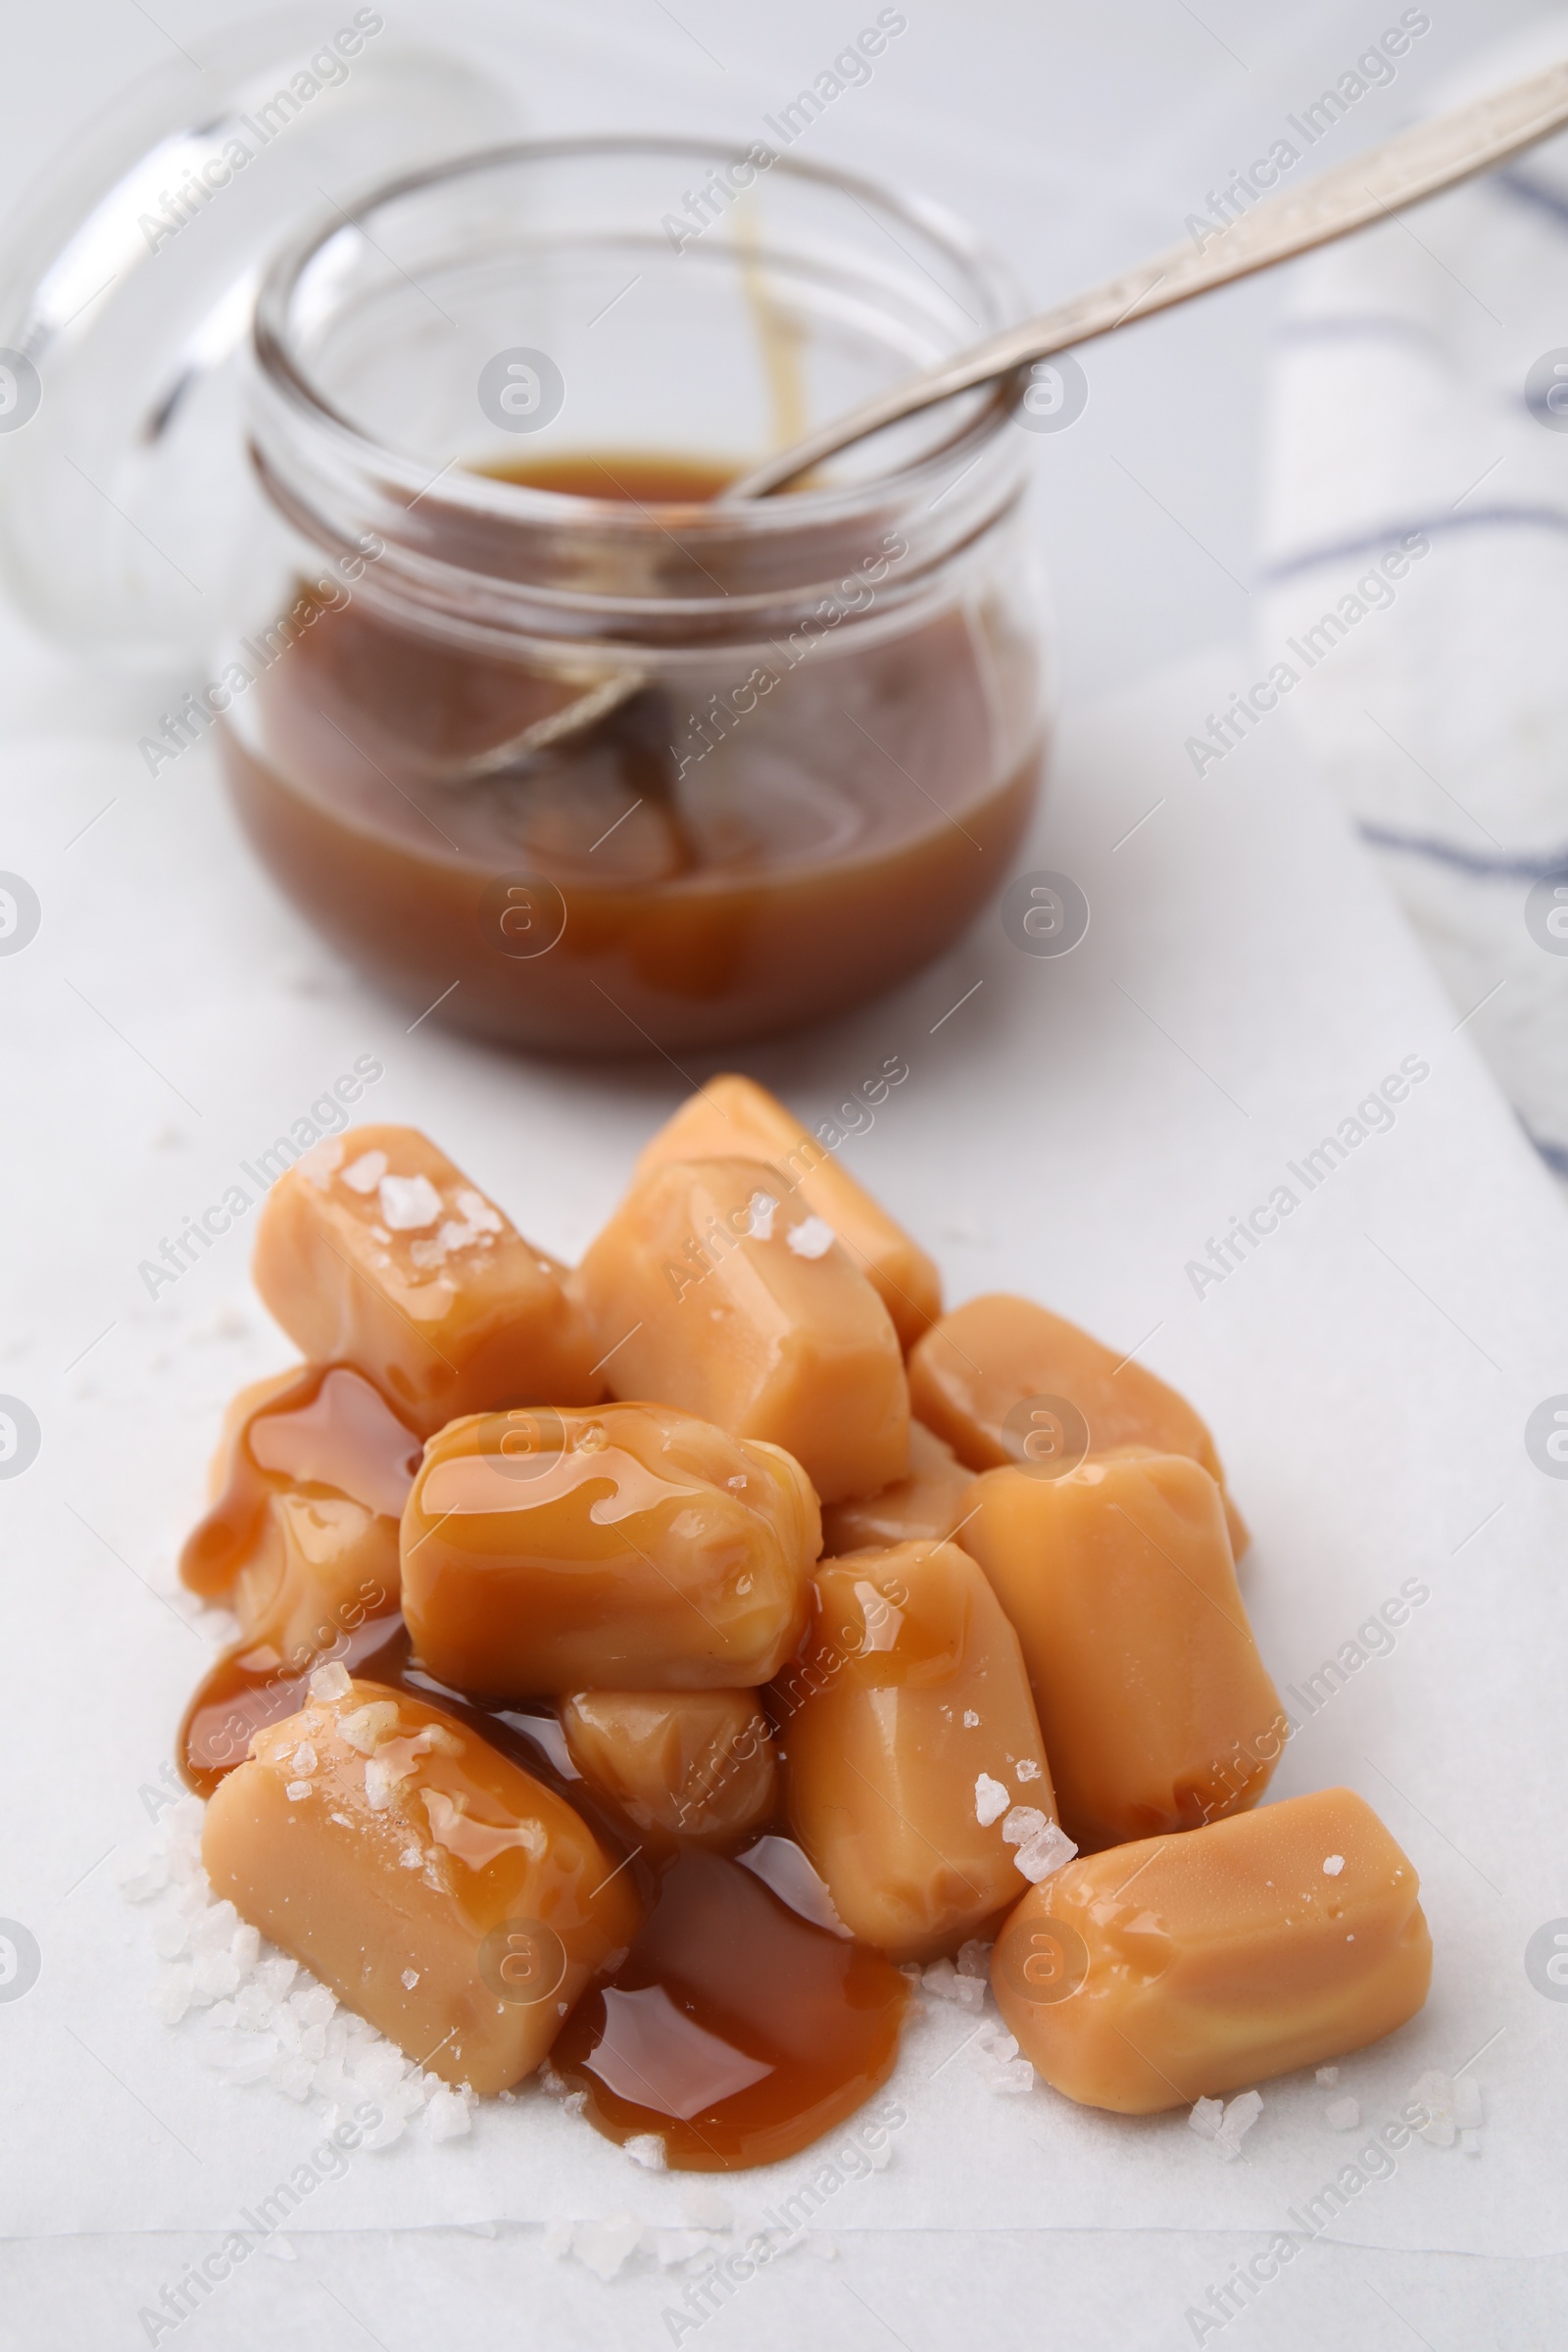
column 727, row 856
column 735, row 2030
column 748, row 2030
column 329, row 1429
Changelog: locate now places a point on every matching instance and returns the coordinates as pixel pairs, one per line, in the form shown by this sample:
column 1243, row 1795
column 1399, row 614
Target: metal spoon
column 1400, row 171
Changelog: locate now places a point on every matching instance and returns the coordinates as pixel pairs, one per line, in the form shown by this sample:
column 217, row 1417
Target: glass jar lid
column 126, row 292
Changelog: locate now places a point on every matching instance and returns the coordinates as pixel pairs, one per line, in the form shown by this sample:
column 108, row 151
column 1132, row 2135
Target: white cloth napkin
column 1436, row 703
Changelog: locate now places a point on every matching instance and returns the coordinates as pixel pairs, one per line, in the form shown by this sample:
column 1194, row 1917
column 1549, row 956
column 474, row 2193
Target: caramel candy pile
column 647, row 1667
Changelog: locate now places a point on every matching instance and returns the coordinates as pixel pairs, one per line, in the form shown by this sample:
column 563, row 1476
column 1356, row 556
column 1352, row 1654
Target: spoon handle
column 1400, row 171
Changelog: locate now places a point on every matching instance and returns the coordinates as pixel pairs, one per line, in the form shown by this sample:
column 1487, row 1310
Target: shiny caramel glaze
column 729, row 858
column 735, row 2030
column 811, row 2018
column 325, row 1428
column 613, row 1546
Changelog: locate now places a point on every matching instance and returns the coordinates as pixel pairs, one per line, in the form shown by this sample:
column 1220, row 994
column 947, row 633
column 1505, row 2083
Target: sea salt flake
column 944, row 1982
column 363, row 1174
column 408, row 1202
column 813, row 1237
column 1028, row 1769
column 1046, row 1851
column 762, row 1210
column 296, row 1789
column 971, row 1721
column 304, row 1758
column 319, row 1162
column 330, row 1683
column 1333, row 1864
column 446, row 2117
column 648, row 2149
column 408, row 1979
column 991, row 1801
column 370, row 1725
column 974, row 1958
column 481, row 1215
column 1344, row 2115
column 411, row 1858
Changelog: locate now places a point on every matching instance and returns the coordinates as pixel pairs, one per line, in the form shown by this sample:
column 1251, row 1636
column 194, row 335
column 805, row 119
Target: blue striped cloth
column 1415, row 579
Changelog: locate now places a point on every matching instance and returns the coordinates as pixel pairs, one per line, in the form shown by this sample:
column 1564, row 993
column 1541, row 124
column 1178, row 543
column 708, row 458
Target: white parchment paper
column 1077, row 1128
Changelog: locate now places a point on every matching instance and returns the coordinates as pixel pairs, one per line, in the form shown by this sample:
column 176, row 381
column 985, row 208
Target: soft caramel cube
column 1186, row 1968
column 978, row 1375
column 715, row 1287
column 927, row 1506
column 308, row 1484
column 376, row 1251
column 735, row 1118
column 911, row 1748
column 630, row 1546
column 1153, row 1702
column 438, row 1889
column 691, row 1764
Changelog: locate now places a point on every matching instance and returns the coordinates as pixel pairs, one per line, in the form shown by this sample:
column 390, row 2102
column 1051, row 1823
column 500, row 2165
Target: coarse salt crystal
column 1046, row 1851
column 408, row 1202
column 304, row 1757
column 1333, row 1864
column 297, row 1790
column 479, row 1213
column 363, row 1174
column 942, row 1979
column 412, row 1857
column 813, row 1237
column 991, row 1801
column 1023, row 1823
column 410, row 1978
column 1028, row 1769
column 447, row 2115
column 320, row 1161
column 333, row 1682
column 370, row 1725
column 974, row 1958
column 1344, row 2115
column 972, row 1720
column 762, row 1210
column 648, row 2149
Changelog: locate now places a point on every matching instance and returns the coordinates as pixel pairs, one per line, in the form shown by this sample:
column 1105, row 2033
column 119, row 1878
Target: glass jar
column 490, row 412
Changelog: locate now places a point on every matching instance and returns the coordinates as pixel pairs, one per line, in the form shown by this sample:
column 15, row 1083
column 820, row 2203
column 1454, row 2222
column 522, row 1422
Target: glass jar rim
column 286, row 377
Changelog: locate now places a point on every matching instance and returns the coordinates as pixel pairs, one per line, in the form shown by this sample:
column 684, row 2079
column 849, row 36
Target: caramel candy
column 633, row 1546
column 1154, row 1703
column 437, row 1888
column 926, row 1506
column 375, row 1251
column 994, row 1376
column 308, row 1484
column 911, row 1750
column 734, row 1118
column 714, row 1286
column 1184, row 1968
column 689, row 1764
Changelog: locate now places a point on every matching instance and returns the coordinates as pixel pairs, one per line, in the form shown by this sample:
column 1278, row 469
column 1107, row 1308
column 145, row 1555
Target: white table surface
column 1078, row 1129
